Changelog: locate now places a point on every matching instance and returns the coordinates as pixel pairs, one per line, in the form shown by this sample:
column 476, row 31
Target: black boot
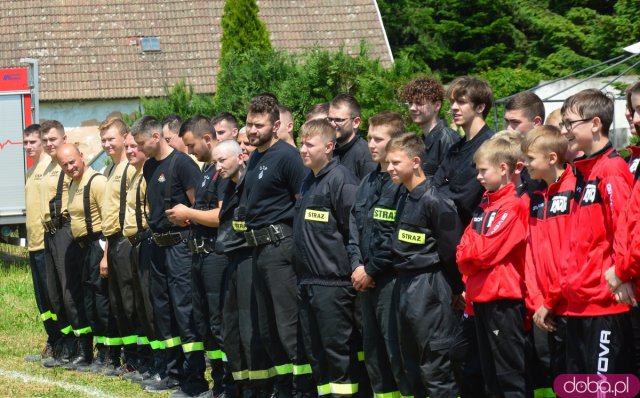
column 113, row 367
column 99, row 360
column 63, row 351
column 84, row 356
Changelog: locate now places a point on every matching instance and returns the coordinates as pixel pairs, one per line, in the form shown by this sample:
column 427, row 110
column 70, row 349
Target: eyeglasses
column 337, row 120
column 568, row 124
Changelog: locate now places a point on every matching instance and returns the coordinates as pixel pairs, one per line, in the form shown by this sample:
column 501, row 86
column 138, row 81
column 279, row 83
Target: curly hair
column 423, row 89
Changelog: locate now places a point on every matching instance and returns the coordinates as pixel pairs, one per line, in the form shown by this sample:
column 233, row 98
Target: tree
column 242, row 29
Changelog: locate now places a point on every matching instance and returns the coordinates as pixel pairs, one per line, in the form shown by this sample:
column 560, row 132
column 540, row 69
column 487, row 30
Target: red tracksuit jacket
column 491, row 252
column 550, row 212
column 591, row 248
column 627, row 241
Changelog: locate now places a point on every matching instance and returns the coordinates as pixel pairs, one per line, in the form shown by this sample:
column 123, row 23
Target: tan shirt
column 32, row 187
column 130, row 225
column 111, row 204
column 76, row 203
column 49, row 187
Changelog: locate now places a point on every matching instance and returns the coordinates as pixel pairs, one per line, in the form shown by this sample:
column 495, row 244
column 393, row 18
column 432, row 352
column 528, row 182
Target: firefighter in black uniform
column 207, row 267
column 136, row 230
column 272, row 182
column 86, row 194
column 171, row 179
column 424, row 246
column 371, row 228
column 326, row 295
column 247, row 358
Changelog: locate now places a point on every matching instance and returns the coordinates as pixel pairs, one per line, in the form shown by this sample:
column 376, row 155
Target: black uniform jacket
column 373, row 222
column 232, row 226
column 427, row 235
column 437, row 144
column 456, row 176
column 355, row 156
column 321, row 226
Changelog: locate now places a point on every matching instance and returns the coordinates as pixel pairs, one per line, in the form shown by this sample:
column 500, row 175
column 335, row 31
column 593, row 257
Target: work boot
column 113, row 366
column 99, row 360
column 85, row 353
column 154, row 370
column 47, row 352
column 165, row 384
column 63, row 351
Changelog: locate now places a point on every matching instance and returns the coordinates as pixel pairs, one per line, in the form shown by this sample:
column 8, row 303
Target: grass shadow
column 13, row 256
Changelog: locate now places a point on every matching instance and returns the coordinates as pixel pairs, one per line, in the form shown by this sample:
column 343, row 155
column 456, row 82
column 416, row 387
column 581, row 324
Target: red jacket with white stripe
column 491, row 252
column 550, row 213
column 607, row 183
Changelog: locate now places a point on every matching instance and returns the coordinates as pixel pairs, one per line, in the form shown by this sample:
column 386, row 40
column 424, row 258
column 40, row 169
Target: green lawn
column 21, row 333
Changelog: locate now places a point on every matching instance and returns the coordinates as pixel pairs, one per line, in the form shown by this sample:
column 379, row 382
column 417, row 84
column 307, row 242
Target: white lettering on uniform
column 589, row 194
column 558, row 204
column 603, row 361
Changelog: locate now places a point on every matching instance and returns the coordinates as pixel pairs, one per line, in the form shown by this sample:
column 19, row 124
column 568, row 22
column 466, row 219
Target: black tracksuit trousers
column 41, row 292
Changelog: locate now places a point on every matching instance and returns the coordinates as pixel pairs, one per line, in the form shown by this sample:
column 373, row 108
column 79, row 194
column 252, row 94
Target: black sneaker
column 188, row 390
column 166, row 384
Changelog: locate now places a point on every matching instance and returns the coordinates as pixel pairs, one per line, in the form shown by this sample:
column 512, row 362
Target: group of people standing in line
column 448, row 263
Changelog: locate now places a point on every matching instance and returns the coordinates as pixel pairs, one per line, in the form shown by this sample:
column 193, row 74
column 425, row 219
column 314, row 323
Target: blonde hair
column 503, row 147
column 318, row 127
column 546, row 139
column 114, row 122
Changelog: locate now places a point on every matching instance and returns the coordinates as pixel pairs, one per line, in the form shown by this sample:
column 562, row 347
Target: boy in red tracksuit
column 600, row 327
column 550, row 212
column 491, row 256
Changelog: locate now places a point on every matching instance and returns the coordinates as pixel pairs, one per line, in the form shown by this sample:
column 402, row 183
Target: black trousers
column 60, row 275
column 96, row 294
column 380, row 338
column 426, row 324
column 141, row 273
column 207, row 278
column 172, row 301
column 121, row 295
column 41, row 292
column 327, row 320
column 248, row 360
column 540, row 364
column 502, row 345
column 558, row 348
column 635, row 324
column 276, row 288
column 465, row 360
column 600, row 344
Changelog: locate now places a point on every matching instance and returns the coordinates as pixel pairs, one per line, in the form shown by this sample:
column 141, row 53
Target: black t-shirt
column 184, row 176
column 355, row 156
column 272, row 180
column 208, row 193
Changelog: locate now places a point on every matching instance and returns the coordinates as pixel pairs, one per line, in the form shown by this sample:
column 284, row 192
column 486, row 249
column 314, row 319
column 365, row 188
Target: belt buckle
column 250, row 237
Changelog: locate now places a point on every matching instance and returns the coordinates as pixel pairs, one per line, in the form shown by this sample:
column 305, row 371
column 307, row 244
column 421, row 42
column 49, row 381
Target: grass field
column 21, row 333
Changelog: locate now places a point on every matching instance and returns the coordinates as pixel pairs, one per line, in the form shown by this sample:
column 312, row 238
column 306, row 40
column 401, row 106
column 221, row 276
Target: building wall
column 85, row 113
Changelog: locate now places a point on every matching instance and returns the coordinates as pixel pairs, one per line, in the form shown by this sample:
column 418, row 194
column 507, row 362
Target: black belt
column 87, row 239
column 167, row 238
column 270, row 234
column 52, row 226
column 201, row 245
column 136, row 238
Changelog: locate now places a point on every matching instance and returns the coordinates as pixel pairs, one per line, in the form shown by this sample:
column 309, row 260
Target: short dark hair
column 529, row 103
column 350, row 101
column 146, row 126
column 591, row 103
column 265, row 103
column 227, row 117
column 409, row 143
column 173, row 123
column 391, row 121
column 423, row 89
column 51, row 124
column 32, row 129
column 198, row 126
column 476, row 90
column 317, row 109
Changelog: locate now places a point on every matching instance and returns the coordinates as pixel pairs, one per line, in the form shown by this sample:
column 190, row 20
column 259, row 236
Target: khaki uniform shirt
column 33, row 185
column 76, row 203
column 130, row 225
column 111, row 204
column 49, row 186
